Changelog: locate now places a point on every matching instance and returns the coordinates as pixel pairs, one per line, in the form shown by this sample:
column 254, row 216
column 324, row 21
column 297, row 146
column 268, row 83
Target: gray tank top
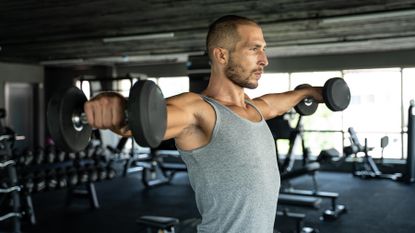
column 235, row 176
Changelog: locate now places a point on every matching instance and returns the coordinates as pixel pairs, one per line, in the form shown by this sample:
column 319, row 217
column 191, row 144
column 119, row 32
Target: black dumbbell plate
column 336, row 93
column 307, row 106
column 60, row 111
column 147, row 113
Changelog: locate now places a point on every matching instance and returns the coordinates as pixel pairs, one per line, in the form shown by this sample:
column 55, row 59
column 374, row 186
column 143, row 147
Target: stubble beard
column 237, row 74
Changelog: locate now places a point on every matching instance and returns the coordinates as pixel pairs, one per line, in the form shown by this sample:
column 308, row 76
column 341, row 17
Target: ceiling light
column 62, row 61
column 138, row 37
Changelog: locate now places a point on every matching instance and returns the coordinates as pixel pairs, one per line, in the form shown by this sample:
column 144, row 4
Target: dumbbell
column 39, row 155
column 39, row 182
column 92, row 173
column 28, row 183
column 336, row 95
column 51, row 180
column 62, row 178
column 72, row 177
column 102, row 172
column 25, row 158
column 81, row 155
column 60, row 156
column 146, row 115
column 50, row 156
column 83, row 175
column 111, row 173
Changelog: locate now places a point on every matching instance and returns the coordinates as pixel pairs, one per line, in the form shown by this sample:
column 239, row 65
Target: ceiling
column 56, row 32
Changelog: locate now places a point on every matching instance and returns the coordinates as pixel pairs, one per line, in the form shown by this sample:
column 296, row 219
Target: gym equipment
column 146, row 116
column 10, row 192
column 408, row 175
column 62, row 178
column 28, row 184
column 72, row 177
column 161, row 224
column 336, row 95
column 60, row 156
column 147, row 113
column 26, row 158
column 40, row 182
column 50, row 154
column 161, row 165
column 51, row 180
column 111, row 173
column 298, row 219
column 39, row 155
column 281, row 129
column 93, row 174
column 369, row 166
column 102, row 173
column 88, row 191
column 307, row 106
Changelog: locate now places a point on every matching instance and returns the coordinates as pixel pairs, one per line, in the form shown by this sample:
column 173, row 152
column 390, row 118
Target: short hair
column 223, row 32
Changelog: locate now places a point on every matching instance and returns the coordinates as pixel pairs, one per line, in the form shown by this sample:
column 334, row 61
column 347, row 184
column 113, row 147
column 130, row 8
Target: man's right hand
column 107, row 111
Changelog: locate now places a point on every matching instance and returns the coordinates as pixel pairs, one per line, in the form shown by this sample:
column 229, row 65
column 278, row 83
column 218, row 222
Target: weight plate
column 147, row 113
column 336, row 94
column 307, row 106
column 61, row 108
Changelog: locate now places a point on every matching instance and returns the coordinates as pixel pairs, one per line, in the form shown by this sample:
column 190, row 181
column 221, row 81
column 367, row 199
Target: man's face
column 246, row 63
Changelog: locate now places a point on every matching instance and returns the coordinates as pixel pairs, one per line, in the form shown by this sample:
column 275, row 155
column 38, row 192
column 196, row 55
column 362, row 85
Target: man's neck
column 225, row 91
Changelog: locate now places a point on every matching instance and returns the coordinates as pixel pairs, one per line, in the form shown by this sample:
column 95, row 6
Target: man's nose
column 263, row 60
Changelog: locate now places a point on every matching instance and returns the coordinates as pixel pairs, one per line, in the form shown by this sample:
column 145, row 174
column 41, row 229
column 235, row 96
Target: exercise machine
column 281, row 129
column 368, row 167
column 408, row 175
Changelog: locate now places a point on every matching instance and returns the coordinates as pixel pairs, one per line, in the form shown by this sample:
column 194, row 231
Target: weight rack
column 51, row 169
column 10, row 188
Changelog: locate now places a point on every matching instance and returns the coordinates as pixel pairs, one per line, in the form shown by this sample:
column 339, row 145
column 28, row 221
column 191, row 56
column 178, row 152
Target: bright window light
column 269, row 83
column 171, row 86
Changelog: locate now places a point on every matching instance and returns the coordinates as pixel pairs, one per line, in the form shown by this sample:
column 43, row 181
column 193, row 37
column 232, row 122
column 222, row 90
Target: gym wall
column 21, row 94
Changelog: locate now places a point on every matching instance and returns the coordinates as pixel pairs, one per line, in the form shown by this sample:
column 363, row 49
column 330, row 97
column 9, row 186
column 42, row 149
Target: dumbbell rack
column 51, row 169
column 10, row 189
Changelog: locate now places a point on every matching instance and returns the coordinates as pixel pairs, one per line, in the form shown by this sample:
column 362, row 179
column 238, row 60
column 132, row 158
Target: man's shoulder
column 188, row 100
column 185, row 98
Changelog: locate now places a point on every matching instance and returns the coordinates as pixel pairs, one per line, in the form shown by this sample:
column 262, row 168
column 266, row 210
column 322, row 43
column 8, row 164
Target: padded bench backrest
column 355, row 140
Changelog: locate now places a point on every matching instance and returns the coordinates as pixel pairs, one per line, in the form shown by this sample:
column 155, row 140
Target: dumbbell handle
column 308, row 101
column 79, row 120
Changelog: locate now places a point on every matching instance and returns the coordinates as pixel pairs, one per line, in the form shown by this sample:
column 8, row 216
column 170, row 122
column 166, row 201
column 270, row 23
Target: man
column 221, row 133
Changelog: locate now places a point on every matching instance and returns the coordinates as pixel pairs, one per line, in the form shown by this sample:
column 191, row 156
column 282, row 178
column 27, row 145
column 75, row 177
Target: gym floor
column 381, row 206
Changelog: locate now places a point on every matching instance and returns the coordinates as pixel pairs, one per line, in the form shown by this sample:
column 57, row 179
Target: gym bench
column 158, row 224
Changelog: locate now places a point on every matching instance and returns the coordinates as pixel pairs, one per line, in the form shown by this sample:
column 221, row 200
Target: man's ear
column 221, row 55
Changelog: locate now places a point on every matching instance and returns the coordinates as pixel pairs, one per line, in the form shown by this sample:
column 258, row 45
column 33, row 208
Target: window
column 270, row 83
column 85, row 87
column 379, row 104
column 375, row 108
column 123, row 86
column 171, row 86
